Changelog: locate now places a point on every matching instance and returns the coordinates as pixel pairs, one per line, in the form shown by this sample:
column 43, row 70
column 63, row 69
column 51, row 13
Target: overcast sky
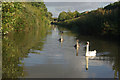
column 59, row 0
column 80, row 0
column 57, row 7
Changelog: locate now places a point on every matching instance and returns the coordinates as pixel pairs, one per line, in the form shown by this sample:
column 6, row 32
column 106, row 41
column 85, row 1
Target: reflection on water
column 39, row 54
column 16, row 46
column 86, row 62
column 61, row 39
column 77, row 51
column 87, row 58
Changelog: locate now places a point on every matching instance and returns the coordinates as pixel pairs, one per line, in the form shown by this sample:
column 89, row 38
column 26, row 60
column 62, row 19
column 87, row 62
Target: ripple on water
column 35, row 51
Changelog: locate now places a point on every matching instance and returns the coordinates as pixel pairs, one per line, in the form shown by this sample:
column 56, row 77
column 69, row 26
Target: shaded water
column 39, row 54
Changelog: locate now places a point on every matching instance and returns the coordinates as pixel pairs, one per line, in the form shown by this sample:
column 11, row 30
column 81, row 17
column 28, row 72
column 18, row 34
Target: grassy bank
column 20, row 16
column 102, row 22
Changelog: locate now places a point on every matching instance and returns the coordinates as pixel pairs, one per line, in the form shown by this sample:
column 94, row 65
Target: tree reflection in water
column 16, row 46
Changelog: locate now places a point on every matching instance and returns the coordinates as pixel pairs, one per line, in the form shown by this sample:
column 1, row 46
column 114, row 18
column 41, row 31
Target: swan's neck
column 77, row 43
column 87, row 48
column 61, row 37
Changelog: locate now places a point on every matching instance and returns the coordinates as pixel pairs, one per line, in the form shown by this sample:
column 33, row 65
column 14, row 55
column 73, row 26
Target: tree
column 76, row 14
column 62, row 16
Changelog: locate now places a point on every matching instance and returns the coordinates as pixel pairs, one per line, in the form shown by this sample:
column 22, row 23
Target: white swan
column 89, row 53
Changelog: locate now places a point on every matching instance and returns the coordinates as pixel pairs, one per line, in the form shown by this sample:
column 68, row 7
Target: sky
column 57, row 7
column 80, row 0
column 59, row 0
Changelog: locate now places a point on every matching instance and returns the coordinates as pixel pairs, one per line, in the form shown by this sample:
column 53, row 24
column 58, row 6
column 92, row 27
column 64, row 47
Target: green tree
column 76, row 14
column 70, row 15
column 62, row 16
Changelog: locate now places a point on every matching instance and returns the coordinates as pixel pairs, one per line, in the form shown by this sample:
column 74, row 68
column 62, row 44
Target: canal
column 39, row 54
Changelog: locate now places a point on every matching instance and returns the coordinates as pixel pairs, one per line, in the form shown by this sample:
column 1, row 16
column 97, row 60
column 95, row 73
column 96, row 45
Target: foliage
column 102, row 22
column 25, row 25
column 68, row 15
column 17, row 16
column 112, row 6
column 16, row 46
column 62, row 16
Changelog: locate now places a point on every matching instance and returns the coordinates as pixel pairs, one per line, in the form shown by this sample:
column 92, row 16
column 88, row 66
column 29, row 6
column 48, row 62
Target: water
column 39, row 54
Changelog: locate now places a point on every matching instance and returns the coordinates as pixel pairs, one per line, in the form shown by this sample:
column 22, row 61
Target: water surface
column 39, row 54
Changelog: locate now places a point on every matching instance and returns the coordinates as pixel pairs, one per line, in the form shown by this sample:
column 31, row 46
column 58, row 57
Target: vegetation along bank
column 23, row 16
column 102, row 22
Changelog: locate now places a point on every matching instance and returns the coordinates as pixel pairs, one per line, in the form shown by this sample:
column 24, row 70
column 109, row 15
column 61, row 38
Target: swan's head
column 87, row 42
column 77, row 40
